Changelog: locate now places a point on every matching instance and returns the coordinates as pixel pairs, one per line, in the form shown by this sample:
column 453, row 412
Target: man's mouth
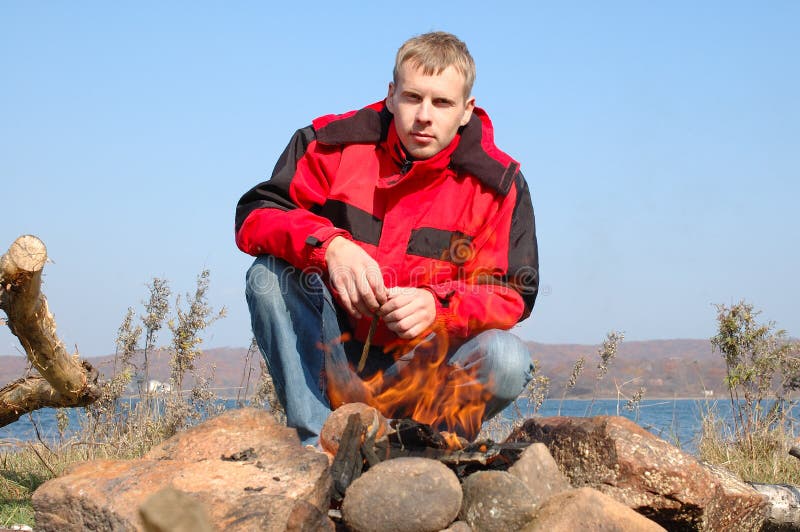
column 422, row 137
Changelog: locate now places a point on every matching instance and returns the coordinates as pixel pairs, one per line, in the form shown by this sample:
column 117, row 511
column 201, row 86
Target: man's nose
column 423, row 112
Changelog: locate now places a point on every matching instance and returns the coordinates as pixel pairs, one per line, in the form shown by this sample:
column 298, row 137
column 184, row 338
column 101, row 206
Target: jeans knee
column 263, row 279
column 510, row 358
column 272, row 281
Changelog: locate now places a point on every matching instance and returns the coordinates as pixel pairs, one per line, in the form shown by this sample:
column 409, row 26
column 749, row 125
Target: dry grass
column 18, row 479
column 115, row 427
column 25, row 469
column 135, row 430
column 762, row 374
column 763, row 458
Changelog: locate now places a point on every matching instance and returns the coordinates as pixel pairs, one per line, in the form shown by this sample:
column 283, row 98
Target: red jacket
column 460, row 224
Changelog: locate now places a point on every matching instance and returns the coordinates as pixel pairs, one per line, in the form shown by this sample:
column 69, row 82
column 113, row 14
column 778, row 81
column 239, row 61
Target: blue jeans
column 299, row 330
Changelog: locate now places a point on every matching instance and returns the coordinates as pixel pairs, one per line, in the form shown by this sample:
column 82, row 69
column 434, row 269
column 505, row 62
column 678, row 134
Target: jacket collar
column 474, row 152
column 421, row 167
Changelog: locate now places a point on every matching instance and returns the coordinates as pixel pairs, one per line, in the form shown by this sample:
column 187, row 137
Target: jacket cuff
column 445, row 317
column 317, row 244
column 442, row 294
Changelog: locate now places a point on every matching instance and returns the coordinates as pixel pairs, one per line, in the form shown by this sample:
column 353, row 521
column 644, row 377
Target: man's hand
column 409, row 311
column 356, row 277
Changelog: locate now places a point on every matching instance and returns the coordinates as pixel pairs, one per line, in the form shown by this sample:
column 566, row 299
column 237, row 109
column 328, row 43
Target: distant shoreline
column 646, row 398
column 599, row 398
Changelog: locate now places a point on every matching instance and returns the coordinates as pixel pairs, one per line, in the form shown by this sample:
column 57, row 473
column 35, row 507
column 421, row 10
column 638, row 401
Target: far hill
column 666, row 368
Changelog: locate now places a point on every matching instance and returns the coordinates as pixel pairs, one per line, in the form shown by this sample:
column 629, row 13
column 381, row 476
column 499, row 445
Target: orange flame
column 425, row 389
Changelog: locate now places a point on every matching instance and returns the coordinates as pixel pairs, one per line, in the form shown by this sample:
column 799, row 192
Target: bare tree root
column 67, row 381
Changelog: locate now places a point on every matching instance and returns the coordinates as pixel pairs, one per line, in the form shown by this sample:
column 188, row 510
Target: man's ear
column 389, row 97
column 468, row 111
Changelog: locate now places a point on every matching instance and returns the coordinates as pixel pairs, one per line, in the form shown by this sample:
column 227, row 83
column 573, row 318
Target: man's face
column 428, row 110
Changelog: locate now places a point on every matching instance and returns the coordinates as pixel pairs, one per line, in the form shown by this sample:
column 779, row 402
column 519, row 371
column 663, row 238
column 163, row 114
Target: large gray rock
column 619, row 458
column 244, row 469
column 496, row 501
column 537, row 469
column 403, row 495
column 588, row 509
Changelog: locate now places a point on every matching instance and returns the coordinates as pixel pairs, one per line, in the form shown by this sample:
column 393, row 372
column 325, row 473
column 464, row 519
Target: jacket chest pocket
column 454, row 247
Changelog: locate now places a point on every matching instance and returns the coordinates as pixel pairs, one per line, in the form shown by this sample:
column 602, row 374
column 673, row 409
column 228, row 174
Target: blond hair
column 434, row 52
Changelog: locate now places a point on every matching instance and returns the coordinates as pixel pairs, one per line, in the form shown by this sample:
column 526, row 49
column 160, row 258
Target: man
column 404, row 227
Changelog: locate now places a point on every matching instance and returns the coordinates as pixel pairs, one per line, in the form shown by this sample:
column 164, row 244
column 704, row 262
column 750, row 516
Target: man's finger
column 375, row 280
column 408, row 323
column 394, row 327
column 416, row 330
column 397, row 291
column 381, row 296
column 363, row 310
column 388, row 307
column 343, row 296
column 359, row 309
column 366, row 296
column 348, row 295
column 396, row 315
column 412, row 332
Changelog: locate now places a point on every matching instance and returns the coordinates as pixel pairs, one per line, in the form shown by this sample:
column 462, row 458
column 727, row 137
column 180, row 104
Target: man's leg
column 295, row 323
column 501, row 362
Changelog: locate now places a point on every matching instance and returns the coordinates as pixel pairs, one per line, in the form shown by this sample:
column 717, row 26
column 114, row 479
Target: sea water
column 677, row 421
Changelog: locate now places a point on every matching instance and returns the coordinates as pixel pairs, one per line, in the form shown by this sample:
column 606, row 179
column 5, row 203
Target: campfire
column 423, row 407
column 424, row 389
column 359, row 438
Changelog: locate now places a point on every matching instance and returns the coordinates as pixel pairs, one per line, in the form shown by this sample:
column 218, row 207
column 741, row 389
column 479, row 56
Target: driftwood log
column 65, row 380
column 784, row 506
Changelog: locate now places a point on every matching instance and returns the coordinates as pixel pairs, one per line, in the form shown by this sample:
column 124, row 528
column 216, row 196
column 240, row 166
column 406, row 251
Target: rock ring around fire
column 403, row 495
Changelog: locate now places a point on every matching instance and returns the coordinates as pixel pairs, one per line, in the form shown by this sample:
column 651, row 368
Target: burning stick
column 365, row 351
column 348, row 463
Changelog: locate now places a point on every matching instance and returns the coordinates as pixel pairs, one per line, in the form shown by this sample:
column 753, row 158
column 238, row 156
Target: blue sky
column 661, row 142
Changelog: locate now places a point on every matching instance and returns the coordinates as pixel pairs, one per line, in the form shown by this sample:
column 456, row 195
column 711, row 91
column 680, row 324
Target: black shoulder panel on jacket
column 366, row 126
column 471, row 157
column 275, row 192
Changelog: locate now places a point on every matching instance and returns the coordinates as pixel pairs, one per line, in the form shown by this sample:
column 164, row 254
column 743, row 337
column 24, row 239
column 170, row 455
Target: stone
column 403, row 495
column 496, row 501
column 232, row 432
column 587, row 509
column 621, row 459
column 537, row 469
column 170, row 510
column 276, row 513
column 245, row 470
column 334, row 426
column 732, row 493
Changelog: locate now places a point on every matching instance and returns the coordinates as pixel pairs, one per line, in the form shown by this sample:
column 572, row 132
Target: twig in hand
column 365, row 351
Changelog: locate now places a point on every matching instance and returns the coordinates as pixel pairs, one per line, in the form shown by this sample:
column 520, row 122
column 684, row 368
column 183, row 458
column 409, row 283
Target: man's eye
column 442, row 103
column 413, row 97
